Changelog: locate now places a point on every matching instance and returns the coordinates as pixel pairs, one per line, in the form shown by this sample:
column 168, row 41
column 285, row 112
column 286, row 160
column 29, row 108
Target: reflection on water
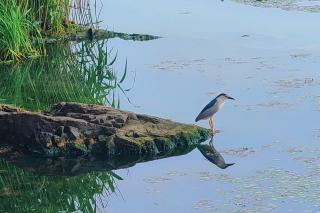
column 93, row 34
column 61, row 184
column 72, row 71
column 23, row 191
column 212, row 155
column 84, row 164
column 80, row 72
column 133, row 37
column 271, row 64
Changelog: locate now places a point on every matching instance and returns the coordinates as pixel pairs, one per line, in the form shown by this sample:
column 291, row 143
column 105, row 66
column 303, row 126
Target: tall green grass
column 24, row 23
column 49, row 13
column 16, row 27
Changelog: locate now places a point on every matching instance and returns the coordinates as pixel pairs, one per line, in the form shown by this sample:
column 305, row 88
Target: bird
column 212, row 155
column 211, row 108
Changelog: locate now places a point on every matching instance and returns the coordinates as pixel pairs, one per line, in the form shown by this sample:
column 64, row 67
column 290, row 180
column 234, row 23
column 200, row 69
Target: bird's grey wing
column 212, row 155
column 202, row 114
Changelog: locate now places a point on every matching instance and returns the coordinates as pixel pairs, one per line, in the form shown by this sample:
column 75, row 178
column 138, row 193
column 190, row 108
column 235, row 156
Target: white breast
column 220, row 104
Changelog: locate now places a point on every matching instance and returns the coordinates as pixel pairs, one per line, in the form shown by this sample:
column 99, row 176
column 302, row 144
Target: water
column 267, row 58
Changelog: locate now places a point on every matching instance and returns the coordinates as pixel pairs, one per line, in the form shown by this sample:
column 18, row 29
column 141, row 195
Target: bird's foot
column 214, row 131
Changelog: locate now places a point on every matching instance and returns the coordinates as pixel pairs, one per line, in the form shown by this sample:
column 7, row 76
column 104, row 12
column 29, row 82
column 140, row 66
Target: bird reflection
column 212, row 155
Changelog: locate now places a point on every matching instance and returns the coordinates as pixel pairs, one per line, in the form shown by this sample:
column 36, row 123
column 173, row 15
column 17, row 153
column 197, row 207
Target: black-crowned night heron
column 211, row 108
column 212, row 155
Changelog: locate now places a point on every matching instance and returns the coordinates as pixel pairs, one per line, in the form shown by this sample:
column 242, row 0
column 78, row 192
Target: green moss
column 189, row 135
column 142, row 140
column 193, row 135
column 165, row 144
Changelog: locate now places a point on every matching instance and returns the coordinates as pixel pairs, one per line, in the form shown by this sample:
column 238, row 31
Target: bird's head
column 224, row 96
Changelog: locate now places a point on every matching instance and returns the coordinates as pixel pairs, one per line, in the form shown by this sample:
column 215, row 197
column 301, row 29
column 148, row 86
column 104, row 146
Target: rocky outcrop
column 73, row 129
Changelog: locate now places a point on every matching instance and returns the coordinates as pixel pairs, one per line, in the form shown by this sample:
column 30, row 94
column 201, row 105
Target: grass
column 81, row 72
column 16, row 26
column 51, row 14
column 25, row 24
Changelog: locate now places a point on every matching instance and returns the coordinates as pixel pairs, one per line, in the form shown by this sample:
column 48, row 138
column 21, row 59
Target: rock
column 73, row 133
column 73, row 129
column 59, row 131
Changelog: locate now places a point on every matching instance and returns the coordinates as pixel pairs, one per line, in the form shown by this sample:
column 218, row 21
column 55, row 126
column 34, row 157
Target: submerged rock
column 73, row 129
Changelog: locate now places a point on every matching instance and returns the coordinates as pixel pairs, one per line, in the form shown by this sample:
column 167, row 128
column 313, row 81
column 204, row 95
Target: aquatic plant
column 25, row 24
column 16, row 26
column 54, row 16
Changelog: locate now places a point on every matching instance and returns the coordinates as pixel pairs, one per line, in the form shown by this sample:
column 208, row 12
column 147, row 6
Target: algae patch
column 289, row 5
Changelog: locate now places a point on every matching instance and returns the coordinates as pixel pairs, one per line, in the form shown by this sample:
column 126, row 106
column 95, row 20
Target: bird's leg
column 211, row 126
column 212, row 121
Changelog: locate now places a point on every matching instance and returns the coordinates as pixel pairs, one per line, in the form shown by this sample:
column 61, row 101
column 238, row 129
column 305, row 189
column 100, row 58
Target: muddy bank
column 73, row 129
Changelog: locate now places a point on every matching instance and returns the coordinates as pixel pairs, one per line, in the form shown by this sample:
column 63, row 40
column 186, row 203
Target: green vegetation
column 16, row 26
column 77, row 72
column 51, row 14
column 25, row 24
column 23, row 191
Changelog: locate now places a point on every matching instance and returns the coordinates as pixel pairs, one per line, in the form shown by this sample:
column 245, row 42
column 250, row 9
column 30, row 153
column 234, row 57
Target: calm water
column 266, row 58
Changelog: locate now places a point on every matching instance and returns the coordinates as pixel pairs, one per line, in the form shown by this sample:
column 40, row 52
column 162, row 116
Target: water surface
column 267, row 58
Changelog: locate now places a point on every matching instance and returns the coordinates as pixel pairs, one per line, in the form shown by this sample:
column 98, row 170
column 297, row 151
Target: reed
column 25, row 24
column 16, row 26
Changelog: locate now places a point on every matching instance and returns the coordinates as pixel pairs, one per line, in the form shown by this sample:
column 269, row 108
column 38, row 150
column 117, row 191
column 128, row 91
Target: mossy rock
column 73, row 129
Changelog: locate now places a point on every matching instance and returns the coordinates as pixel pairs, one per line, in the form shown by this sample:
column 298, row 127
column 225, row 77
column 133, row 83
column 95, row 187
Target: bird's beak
column 230, row 98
